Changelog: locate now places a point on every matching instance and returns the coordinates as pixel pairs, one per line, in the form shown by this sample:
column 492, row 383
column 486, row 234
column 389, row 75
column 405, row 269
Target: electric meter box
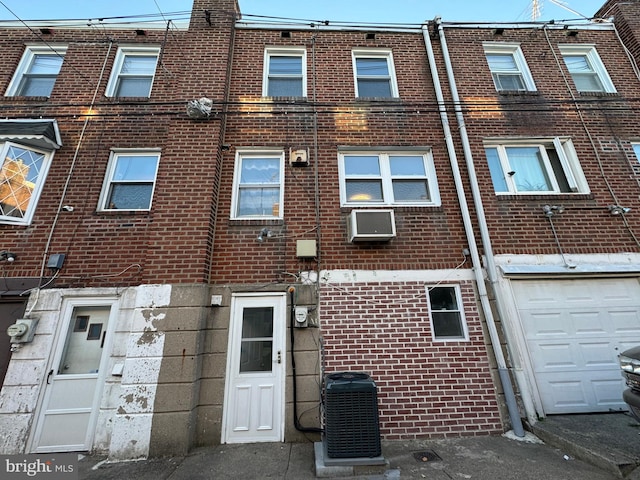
column 23, row 330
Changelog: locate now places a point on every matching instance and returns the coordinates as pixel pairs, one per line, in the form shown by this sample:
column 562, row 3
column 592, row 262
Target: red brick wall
column 601, row 138
column 173, row 241
column 424, row 387
column 429, row 237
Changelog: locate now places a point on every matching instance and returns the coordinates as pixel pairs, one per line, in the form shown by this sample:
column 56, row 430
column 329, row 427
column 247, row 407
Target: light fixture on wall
column 552, row 210
column 265, row 232
column 7, row 256
column 618, row 210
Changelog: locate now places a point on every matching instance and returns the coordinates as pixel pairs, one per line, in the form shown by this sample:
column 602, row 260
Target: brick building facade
column 312, row 213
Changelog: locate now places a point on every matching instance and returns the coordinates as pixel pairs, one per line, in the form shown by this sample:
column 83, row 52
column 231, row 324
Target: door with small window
column 73, row 382
column 254, row 394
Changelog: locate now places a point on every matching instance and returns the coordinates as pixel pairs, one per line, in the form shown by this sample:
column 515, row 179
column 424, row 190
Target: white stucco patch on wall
column 368, row 276
column 133, row 415
column 150, row 296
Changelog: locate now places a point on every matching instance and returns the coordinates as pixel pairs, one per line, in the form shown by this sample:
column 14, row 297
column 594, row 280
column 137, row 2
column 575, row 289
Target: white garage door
column 574, row 330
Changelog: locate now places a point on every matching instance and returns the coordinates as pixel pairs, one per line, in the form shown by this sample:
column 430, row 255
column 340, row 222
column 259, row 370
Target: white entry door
column 575, row 329
column 68, row 414
column 254, row 392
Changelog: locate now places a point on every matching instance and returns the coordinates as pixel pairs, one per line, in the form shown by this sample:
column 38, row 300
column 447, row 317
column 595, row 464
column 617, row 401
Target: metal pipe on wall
column 505, row 379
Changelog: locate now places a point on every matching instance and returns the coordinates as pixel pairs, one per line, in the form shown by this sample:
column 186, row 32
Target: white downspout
column 510, row 398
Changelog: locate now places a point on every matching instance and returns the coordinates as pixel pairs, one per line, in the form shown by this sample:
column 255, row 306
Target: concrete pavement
column 484, row 457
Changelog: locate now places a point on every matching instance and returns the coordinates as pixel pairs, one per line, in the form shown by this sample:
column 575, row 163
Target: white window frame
column 636, row 150
column 111, row 170
column 26, row 61
column 123, row 52
column 299, row 52
column 515, row 51
column 37, row 189
column 375, row 53
column 459, row 311
column 387, row 179
column 594, row 60
column 567, row 157
column 242, row 154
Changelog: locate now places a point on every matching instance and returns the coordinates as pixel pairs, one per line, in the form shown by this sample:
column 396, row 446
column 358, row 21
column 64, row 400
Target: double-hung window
column 508, row 67
column 535, row 166
column 258, row 190
column 586, row 69
column 285, row 72
column 130, row 180
column 133, row 72
column 447, row 314
column 37, row 72
column 374, row 73
column 388, row 178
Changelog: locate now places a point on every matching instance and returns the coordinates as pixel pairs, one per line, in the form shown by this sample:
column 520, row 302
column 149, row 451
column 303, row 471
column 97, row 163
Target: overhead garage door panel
column 574, row 330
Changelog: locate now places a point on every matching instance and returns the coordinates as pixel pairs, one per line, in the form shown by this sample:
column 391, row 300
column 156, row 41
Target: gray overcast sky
column 370, row 11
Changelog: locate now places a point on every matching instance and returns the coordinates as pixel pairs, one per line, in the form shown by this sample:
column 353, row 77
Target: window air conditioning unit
column 371, row 225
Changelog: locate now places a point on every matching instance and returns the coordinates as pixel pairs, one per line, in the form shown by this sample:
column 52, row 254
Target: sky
column 360, row 11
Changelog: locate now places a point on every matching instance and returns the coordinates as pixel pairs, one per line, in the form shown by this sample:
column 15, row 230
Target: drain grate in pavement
column 426, row 456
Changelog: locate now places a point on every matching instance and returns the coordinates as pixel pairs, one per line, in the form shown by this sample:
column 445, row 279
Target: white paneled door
column 73, row 383
column 254, row 392
column 574, row 330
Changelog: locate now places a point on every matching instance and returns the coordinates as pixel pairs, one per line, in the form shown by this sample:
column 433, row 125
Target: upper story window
column 586, row 69
column 130, row 180
column 508, row 67
column 535, row 166
column 285, row 72
column 636, row 150
column 37, row 72
column 258, row 184
column 374, row 73
column 388, row 178
column 133, row 72
column 447, row 314
column 26, row 149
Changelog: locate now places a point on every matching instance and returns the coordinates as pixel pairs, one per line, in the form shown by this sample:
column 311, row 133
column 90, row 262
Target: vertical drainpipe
column 505, row 379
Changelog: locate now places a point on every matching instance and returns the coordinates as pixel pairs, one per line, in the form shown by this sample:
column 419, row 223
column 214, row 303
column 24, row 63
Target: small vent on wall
column 299, row 157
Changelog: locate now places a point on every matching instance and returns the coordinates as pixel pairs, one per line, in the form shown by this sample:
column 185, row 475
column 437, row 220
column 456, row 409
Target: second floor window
column 508, row 67
column 374, row 74
column 586, row 69
column 388, row 178
column 285, row 72
column 133, row 72
column 258, row 185
column 535, row 166
column 22, row 175
column 37, row 72
column 130, row 180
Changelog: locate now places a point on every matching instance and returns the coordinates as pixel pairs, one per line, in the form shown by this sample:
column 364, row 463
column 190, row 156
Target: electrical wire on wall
column 69, row 176
column 292, row 328
column 429, row 286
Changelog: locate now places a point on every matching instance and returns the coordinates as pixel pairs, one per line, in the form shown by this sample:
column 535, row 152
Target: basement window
column 447, row 314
